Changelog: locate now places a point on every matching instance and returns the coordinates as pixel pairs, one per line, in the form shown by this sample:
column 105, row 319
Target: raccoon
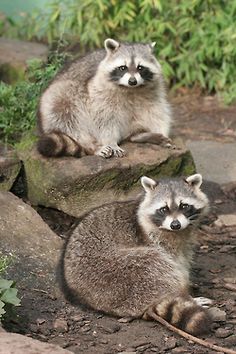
column 102, row 99
column 133, row 258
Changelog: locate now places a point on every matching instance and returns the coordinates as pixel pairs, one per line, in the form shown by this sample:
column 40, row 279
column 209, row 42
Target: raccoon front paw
column 105, row 152
column 118, row 152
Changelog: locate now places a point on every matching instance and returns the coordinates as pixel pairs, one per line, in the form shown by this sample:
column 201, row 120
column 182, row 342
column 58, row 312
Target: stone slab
column 75, row 185
column 216, row 161
column 32, row 246
column 13, row 343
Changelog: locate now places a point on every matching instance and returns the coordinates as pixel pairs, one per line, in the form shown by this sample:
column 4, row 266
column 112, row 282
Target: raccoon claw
column 105, row 152
column 118, row 152
column 203, row 301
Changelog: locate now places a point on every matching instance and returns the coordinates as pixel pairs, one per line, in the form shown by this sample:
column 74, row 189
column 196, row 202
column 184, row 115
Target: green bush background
column 196, row 39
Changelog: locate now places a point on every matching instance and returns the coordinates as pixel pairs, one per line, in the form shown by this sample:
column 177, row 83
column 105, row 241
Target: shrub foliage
column 18, row 104
column 8, row 292
column 196, row 39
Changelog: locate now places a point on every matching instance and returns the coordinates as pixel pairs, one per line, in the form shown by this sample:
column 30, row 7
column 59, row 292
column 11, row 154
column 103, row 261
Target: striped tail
column 182, row 312
column 57, row 144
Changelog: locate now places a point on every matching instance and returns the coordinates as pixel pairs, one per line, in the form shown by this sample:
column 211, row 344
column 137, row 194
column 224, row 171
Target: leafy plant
column 18, row 104
column 8, row 292
column 8, row 295
column 196, row 39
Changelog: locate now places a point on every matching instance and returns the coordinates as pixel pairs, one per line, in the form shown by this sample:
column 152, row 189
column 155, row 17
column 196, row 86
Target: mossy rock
column 10, row 166
column 76, row 185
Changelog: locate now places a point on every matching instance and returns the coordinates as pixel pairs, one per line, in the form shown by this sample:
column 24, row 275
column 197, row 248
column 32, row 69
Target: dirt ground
column 51, row 319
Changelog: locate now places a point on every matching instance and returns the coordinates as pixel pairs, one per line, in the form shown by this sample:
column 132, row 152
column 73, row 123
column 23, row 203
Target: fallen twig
column 188, row 336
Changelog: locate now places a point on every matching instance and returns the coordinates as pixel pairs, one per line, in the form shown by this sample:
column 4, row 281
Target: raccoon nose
column 132, row 81
column 175, row 225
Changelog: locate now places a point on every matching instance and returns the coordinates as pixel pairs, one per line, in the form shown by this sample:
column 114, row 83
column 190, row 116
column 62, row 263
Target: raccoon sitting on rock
column 102, row 99
column 133, row 258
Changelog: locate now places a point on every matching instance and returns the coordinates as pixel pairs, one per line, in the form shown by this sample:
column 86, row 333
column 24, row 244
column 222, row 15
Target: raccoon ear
column 148, row 183
column 152, row 46
column 194, row 180
column 111, row 45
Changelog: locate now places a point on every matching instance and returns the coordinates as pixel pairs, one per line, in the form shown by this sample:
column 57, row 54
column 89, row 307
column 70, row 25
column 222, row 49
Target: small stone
column 180, row 350
column 227, row 219
column 217, row 314
column 171, row 343
column 113, row 328
column 231, row 341
column 77, row 318
column 230, row 286
column 60, row 325
column 125, row 319
column 226, row 248
column 40, row 321
column 223, row 333
column 103, row 341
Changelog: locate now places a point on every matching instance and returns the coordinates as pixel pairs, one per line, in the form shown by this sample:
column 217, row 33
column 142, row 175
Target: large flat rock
column 12, row 343
column 216, row 161
column 77, row 185
column 31, row 244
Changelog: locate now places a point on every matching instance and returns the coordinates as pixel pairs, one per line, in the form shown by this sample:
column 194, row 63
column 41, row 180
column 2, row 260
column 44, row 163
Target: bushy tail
column 57, row 144
column 182, row 312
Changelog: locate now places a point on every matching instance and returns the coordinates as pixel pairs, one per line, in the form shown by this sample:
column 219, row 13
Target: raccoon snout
column 175, row 225
column 132, row 81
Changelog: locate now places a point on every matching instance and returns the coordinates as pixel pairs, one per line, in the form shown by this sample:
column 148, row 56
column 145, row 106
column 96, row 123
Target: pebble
column 171, row 343
column 60, row 325
column 111, row 329
column 125, row 319
column 40, row 321
column 223, row 333
column 226, row 219
column 217, row 314
column 226, row 248
column 180, row 350
column 231, row 341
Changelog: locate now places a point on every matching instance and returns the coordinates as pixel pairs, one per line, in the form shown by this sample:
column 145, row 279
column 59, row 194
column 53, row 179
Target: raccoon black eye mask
column 119, row 262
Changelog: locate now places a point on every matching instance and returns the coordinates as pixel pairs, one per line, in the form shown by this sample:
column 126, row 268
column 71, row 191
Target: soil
column 54, row 320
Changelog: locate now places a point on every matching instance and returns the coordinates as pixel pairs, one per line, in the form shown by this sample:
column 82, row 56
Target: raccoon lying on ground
column 126, row 258
column 99, row 100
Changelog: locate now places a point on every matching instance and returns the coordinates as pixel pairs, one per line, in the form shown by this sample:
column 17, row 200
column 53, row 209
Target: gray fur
column 98, row 113
column 119, row 263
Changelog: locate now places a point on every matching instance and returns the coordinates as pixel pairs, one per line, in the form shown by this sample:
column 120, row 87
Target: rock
column 226, row 220
column 223, row 333
column 10, row 166
column 170, row 343
column 12, row 343
column 217, row 314
column 75, row 185
column 33, row 247
column 231, row 341
column 14, row 56
column 204, row 153
column 60, row 325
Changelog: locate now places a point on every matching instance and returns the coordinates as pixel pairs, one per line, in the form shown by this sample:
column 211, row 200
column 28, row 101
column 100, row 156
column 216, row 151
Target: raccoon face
column 130, row 65
column 172, row 204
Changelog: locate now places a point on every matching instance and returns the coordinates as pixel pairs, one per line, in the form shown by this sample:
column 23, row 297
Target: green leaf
column 5, row 284
column 10, row 297
column 2, row 311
